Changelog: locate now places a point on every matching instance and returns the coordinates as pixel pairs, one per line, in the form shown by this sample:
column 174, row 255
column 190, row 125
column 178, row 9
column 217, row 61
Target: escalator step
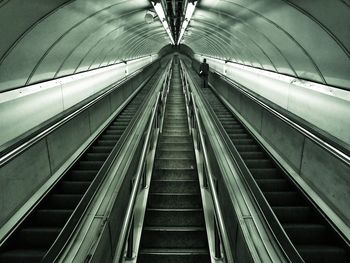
column 174, row 217
column 295, row 214
column 175, row 146
column 247, row 148
column 174, row 237
column 105, row 142
column 323, row 254
column 62, row 201
column 81, row 175
column 272, row 185
column 22, row 255
column 72, row 187
column 174, row 164
column 96, row 156
column 266, row 173
column 262, row 163
column 252, row 155
column 175, row 139
column 175, row 186
column 112, row 137
column 174, row 200
column 41, row 238
column 305, row 234
column 50, row 217
column 249, row 142
column 175, row 174
column 283, row 198
column 175, row 154
column 89, row 165
column 101, row 149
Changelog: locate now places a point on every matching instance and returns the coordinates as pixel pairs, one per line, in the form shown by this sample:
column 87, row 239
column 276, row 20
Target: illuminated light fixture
column 160, row 12
column 189, row 12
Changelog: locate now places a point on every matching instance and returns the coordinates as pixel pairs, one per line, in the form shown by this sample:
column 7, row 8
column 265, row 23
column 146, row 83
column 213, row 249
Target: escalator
column 174, row 228
column 34, row 237
column 310, row 233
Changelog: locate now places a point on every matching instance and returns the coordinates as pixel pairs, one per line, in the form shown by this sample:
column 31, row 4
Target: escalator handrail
column 217, row 210
column 126, row 228
column 271, row 220
column 334, row 151
column 13, row 151
column 215, row 199
column 80, row 210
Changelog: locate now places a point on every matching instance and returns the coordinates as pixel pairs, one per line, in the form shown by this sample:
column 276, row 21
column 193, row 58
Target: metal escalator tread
column 174, row 227
column 34, row 237
column 315, row 240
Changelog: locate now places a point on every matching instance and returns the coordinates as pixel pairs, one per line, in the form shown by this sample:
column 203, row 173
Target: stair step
column 174, row 237
column 174, row 217
column 174, row 186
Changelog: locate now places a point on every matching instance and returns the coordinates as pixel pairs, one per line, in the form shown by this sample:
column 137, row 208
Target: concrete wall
column 327, row 175
column 23, row 176
column 23, row 109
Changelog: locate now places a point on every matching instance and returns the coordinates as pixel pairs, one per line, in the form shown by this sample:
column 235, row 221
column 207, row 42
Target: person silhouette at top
column 204, row 73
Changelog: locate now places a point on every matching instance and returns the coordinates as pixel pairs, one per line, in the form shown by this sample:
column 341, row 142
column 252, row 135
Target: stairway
column 34, row 237
column 315, row 240
column 174, row 228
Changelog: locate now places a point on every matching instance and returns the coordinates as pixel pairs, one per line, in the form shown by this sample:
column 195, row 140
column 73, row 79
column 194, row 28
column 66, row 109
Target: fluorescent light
column 160, row 12
column 189, row 12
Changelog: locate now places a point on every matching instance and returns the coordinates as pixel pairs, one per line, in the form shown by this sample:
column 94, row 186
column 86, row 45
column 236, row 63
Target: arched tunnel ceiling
column 46, row 39
column 307, row 39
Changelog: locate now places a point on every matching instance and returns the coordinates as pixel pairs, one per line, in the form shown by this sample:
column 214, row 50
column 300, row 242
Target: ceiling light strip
column 160, row 12
column 189, row 12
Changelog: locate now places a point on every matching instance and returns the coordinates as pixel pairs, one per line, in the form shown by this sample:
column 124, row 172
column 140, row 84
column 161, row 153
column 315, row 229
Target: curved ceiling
column 307, row 39
column 42, row 40
column 47, row 39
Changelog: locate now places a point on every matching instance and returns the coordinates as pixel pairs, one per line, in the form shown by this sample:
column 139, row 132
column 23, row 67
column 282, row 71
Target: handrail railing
column 126, row 235
column 220, row 234
column 17, row 150
column 339, row 154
